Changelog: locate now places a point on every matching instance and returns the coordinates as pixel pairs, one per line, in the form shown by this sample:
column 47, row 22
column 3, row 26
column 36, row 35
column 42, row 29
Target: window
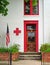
column 31, row 7
column 31, row 28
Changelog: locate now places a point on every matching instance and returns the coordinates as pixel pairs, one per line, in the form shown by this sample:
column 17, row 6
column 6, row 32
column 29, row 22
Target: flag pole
column 8, row 40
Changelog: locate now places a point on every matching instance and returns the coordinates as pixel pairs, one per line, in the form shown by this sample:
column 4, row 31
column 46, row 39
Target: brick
column 46, row 57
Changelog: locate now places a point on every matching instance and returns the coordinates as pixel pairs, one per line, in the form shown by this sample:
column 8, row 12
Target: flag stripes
column 7, row 36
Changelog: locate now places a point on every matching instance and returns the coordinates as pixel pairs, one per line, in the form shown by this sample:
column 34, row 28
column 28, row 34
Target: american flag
column 7, row 36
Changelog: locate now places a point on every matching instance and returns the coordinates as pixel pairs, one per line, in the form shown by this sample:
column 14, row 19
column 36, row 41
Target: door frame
column 25, row 36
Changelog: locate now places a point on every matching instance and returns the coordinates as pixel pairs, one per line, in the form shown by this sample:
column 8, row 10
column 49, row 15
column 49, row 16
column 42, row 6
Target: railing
column 10, row 59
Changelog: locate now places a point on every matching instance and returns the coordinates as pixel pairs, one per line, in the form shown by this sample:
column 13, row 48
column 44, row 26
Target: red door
column 31, row 36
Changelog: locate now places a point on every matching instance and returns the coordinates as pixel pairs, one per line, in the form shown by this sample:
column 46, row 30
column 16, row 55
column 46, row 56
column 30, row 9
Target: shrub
column 2, row 50
column 14, row 48
column 45, row 47
column 48, row 50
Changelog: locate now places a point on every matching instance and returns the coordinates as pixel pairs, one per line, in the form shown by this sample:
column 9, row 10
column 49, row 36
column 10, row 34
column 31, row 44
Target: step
column 30, row 55
column 30, row 58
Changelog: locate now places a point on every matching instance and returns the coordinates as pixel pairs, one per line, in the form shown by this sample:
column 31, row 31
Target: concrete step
column 30, row 55
column 29, row 52
column 30, row 58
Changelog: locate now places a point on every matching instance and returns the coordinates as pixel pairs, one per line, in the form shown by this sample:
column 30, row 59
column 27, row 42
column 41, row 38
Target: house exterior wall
column 46, row 21
column 15, row 19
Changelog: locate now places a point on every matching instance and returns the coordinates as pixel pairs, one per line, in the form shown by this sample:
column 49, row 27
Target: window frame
column 31, row 8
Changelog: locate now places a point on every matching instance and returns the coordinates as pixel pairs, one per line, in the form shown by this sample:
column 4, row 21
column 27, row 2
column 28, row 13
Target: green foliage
column 2, row 50
column 48, row 50
column 26, row 1
column 34, row 3
column 3, row 7
column 45, row 47
column 14, row 48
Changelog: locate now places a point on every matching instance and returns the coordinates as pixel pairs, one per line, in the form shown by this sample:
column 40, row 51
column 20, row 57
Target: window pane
column 35, row 7
column 31, row 36
column 27, row 6
column 31, row 27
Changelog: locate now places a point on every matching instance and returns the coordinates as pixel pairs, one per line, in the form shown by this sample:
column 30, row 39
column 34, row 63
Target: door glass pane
column 35, row 7
column 31, row 27
column 27, row 6
column 31, row 36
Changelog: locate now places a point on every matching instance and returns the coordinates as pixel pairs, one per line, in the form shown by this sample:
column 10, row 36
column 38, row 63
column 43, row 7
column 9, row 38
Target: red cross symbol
column 17, row 31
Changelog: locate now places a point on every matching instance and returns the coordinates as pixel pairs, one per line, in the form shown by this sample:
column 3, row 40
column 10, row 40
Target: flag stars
column 17, row 31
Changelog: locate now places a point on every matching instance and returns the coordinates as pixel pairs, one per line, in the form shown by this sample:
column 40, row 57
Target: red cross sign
column 17, row 31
